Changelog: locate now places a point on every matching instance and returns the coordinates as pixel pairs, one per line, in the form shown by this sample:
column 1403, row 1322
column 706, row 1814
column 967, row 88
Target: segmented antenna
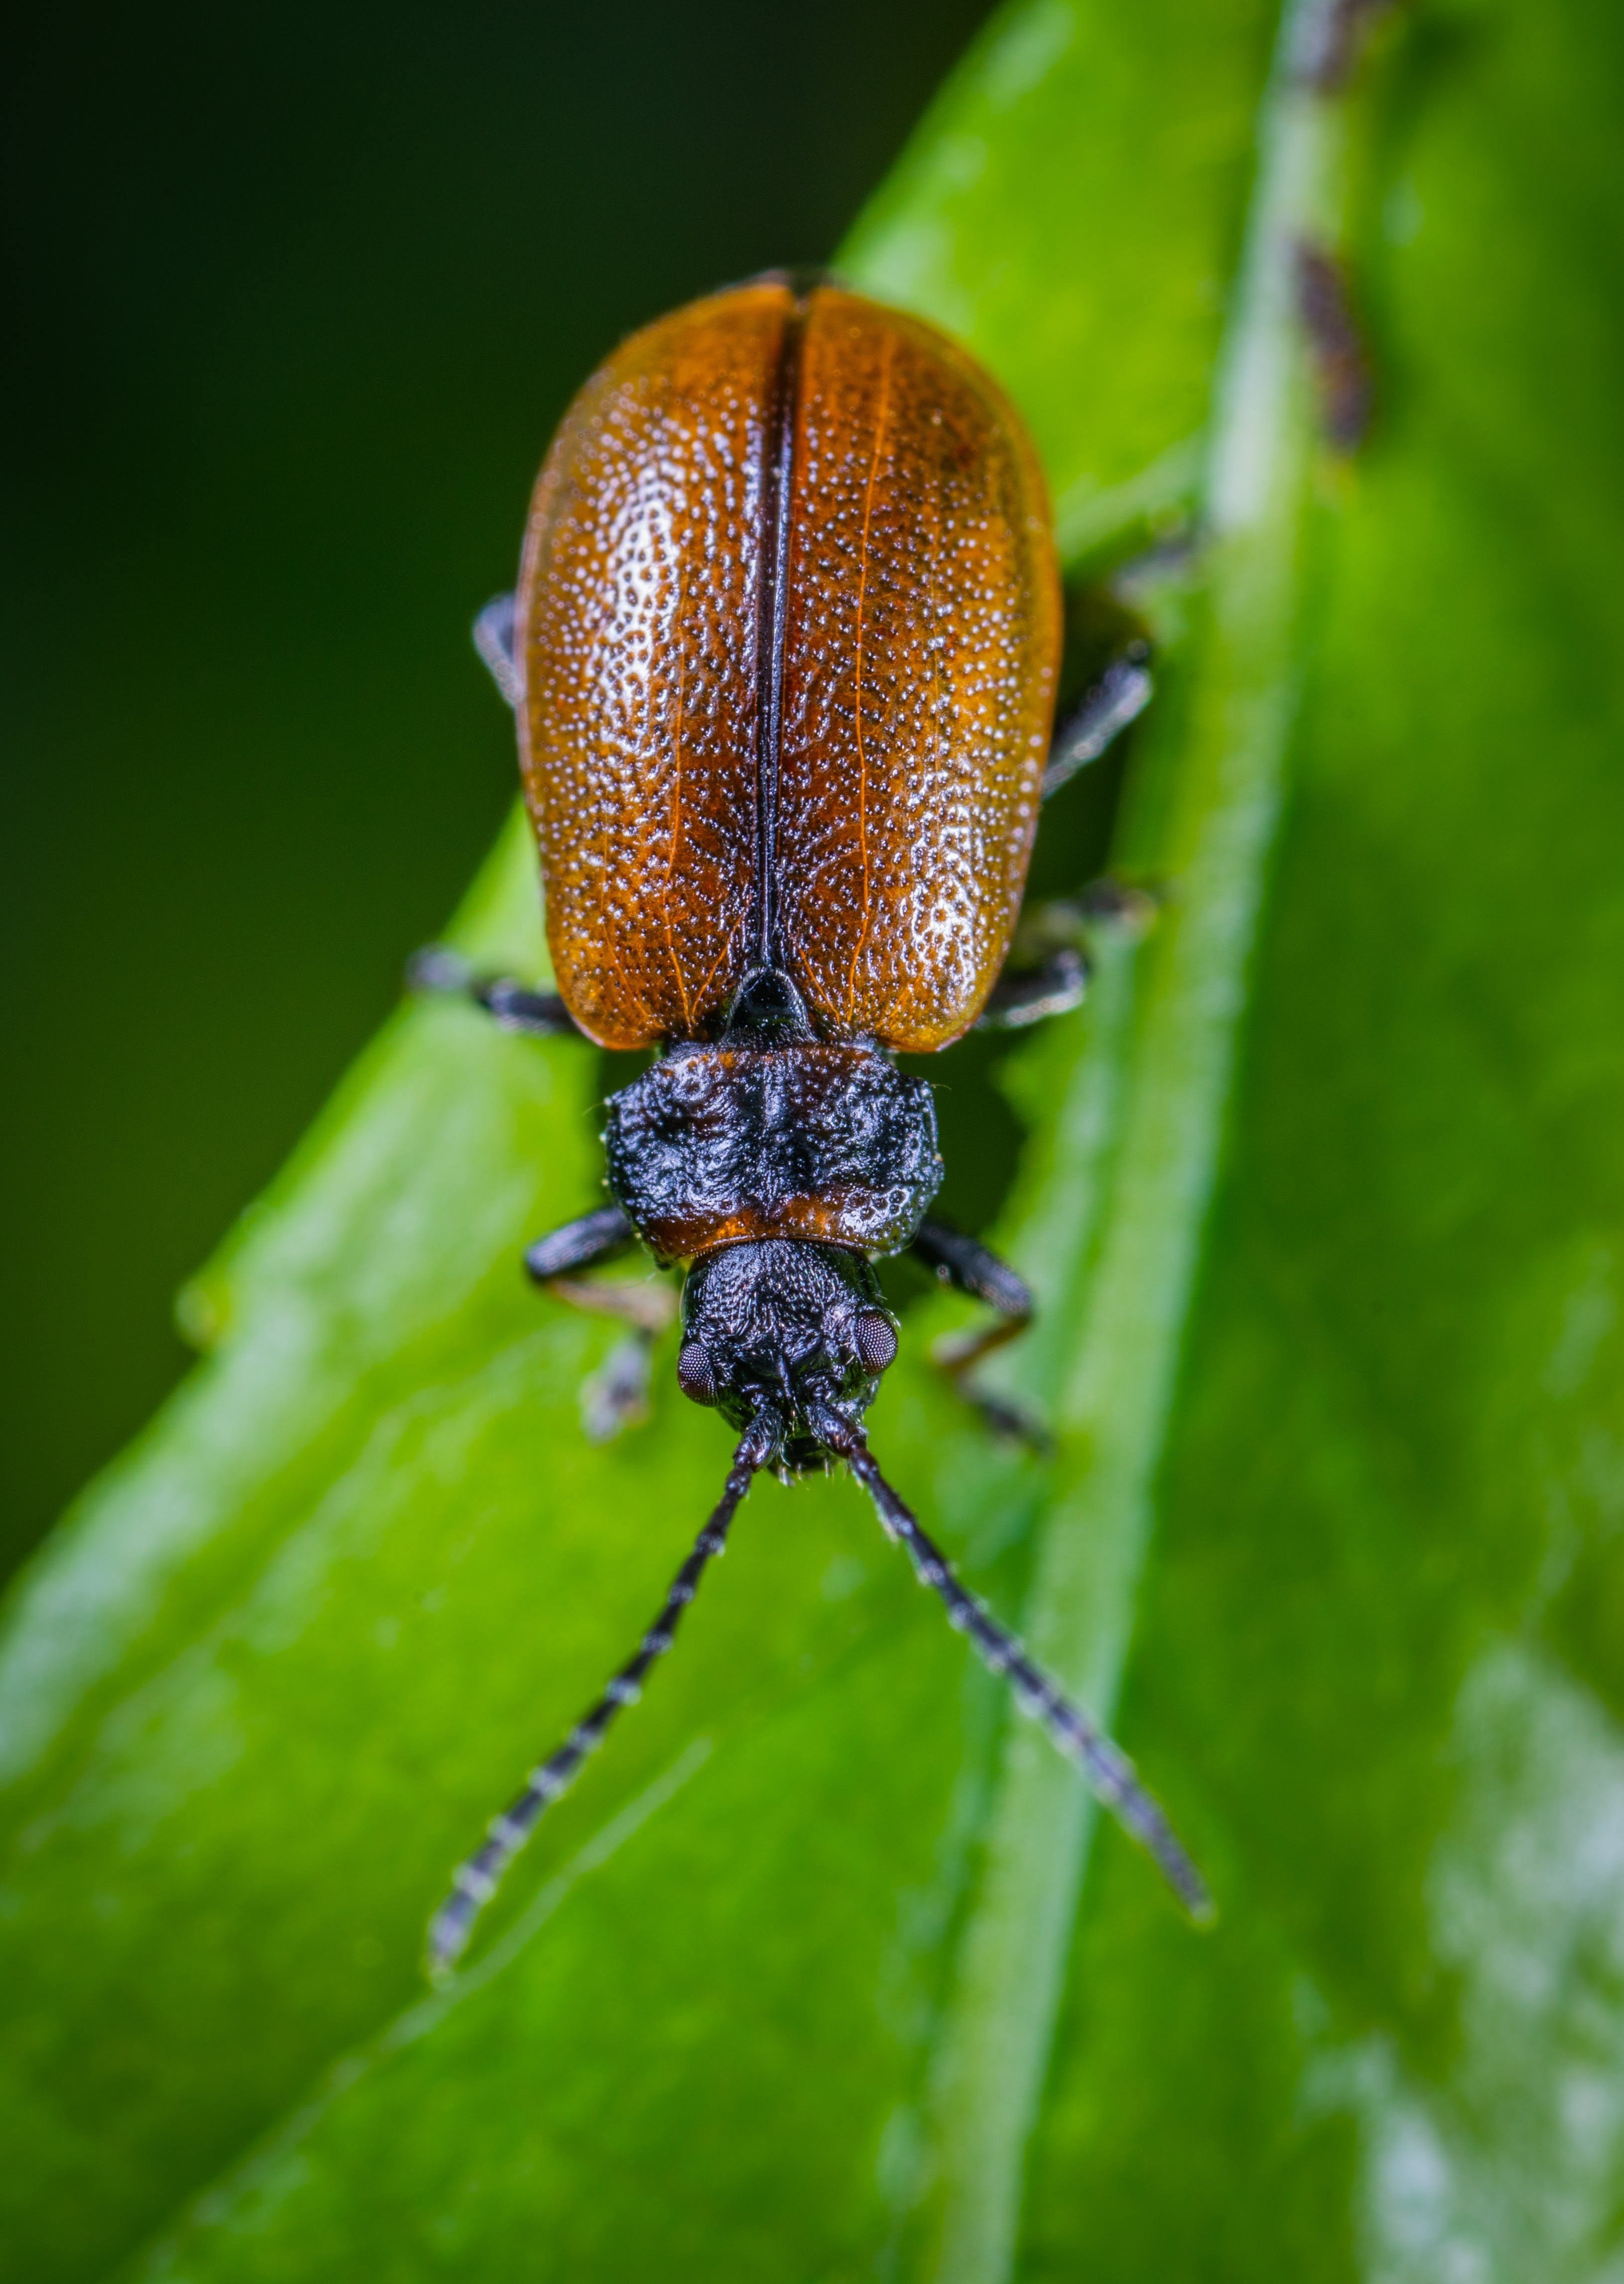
column 477, row 1880
column 1110, row 1773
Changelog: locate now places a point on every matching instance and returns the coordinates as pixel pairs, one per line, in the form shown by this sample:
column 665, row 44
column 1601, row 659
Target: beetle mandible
column 783, row 657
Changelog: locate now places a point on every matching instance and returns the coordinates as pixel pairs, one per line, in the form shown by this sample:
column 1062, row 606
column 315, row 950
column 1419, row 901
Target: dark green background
column 294, row 298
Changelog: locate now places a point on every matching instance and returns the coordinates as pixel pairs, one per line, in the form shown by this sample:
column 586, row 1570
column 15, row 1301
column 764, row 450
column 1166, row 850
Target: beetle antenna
column 477, row 1880
column 1110, row 1773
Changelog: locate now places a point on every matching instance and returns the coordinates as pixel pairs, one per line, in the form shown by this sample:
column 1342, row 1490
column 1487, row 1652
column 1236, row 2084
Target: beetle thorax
column 741, row 1142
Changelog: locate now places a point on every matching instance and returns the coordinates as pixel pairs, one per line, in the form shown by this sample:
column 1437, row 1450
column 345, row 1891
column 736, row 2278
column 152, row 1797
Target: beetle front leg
column 617, row 1394
column 970, row 1267
column 538, row 1014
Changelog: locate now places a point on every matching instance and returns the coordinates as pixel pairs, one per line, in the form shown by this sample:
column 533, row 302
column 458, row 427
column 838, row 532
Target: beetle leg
column 1048, row 968
column 493, row 639
column 1060, row 984
column 540, row 1014
column 596, row 1237
column 969, row 1267
column 616, row 1394
column 1118, row 697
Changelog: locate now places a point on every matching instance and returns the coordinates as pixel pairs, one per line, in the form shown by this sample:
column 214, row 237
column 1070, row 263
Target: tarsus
column 477, row 1880
column 1110, row 1773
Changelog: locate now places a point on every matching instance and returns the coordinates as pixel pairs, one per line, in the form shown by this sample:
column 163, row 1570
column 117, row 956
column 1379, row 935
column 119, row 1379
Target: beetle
column 783, row 657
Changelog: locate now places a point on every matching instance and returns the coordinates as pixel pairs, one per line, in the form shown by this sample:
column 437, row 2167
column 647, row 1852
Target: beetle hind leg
column 1049, row 960
column 1120, row 695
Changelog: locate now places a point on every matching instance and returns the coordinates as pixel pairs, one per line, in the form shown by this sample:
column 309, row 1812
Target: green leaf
column 823, row 1967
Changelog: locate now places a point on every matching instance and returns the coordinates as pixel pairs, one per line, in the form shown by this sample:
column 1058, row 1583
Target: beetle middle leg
column 617, row 1394
column 1048, row 973
column 539, row 1014
column 969, row 1266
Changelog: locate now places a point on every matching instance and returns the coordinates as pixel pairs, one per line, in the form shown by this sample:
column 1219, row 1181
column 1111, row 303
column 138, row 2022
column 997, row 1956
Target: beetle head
column 786, row 1326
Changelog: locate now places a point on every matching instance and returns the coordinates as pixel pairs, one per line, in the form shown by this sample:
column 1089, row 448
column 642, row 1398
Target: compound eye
column 696, row 1375
column 876, row 1338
